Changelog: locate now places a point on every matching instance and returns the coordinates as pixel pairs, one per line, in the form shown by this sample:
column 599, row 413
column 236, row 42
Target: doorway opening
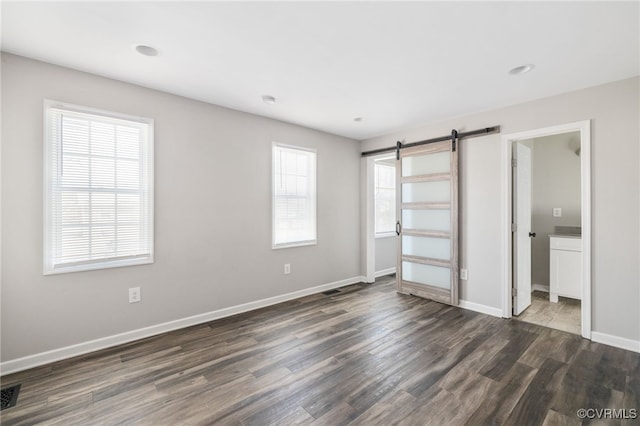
column 547, row 237
column 546, row 227
column 381, row 241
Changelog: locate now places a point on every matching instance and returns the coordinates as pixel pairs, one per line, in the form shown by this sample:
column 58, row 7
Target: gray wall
column 555, row 183
column 614, row 111
column 212, row 214
column 386, row 253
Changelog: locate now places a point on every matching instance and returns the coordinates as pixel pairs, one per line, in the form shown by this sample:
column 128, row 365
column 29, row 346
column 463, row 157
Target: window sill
column 385, row 235
column 95, row 266
column 296, row 244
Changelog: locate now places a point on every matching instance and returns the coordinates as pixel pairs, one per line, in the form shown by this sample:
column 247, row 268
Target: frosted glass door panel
column 434, row 248
column 426, row 192
column 439, row 162
column 429, row 220
column 435, row 276
column 427, row 207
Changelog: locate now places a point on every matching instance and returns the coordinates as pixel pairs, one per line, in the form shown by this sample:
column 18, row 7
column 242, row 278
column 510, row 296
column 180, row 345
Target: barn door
column 427, row 184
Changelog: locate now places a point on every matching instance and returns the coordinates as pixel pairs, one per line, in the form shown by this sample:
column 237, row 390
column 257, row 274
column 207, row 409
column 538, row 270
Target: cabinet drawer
column 572, row 244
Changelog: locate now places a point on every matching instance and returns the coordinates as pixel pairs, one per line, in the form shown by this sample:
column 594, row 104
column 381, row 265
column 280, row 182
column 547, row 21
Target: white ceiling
column 395, row 64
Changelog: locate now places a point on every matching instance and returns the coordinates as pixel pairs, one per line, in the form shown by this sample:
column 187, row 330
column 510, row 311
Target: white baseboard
column 484, row 309
column 30, row 361
column 540, row 287
column 384, row 272
column 618, row 342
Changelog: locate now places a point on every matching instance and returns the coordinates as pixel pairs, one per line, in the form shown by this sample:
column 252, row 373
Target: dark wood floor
column 364, row 355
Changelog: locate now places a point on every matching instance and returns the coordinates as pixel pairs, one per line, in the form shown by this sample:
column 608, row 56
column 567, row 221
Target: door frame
column 368, row 202
column 584, row 127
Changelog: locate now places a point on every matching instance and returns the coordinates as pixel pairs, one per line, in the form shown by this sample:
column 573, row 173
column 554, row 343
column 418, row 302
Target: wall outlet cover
column 134, row 295
column 557, row 212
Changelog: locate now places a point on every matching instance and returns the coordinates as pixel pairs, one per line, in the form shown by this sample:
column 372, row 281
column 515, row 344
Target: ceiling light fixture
column 268, row 99
column 358, row 119
column 145, row 50
column 522, row 69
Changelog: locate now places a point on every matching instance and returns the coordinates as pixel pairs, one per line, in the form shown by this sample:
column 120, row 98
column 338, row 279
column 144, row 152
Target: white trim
column 477, row 307
column 90, row 111
column 313, row 180
column 386, row 234
column 42, row 358
column 146, row 126
column 584, row 127
column 505, row 231
column 392, row 169
column 585, row 207
column 369, row 219
column 106, row 264
column 540, row 287
column 296, row 244
column 618, row 342
column 368, row 188
column 384, row 272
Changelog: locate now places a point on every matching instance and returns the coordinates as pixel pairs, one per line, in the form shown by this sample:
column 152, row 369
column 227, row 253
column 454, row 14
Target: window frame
column 379, row 163
column 48, row 191
column 313, row 198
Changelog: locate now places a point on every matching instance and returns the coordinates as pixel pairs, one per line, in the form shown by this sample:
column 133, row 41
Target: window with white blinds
column 385, row 199
column 294, row 196
column 98, row 178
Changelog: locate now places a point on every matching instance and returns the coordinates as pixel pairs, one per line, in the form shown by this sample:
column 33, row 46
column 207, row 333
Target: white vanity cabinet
column 565, row 267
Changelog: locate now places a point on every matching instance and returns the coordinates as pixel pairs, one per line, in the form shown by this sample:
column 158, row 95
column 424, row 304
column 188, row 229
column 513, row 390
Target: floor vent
column 9, row 396
column 330, row 292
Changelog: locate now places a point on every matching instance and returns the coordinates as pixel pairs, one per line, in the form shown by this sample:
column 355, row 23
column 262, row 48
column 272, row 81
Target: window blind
column 294, row 196
column 99, row 200
column 385, row 198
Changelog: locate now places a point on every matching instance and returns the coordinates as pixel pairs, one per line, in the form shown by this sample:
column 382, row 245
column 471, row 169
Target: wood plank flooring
column 365, row 356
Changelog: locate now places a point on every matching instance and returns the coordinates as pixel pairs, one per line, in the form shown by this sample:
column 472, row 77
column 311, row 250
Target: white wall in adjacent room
column 555, row 183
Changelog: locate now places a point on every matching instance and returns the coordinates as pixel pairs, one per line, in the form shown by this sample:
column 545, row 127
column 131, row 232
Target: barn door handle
column 398, row 228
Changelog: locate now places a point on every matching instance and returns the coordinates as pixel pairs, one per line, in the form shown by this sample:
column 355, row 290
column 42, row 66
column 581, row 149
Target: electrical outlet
column 557, row 212
column 464, row 274
column 134, row 294
column 287, row 268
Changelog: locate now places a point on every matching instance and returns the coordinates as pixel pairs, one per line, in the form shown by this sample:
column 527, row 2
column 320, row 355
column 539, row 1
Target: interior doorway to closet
column 549, row 256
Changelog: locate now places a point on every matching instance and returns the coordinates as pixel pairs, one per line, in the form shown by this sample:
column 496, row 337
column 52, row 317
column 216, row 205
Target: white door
column 427, row 207
column 523, row 234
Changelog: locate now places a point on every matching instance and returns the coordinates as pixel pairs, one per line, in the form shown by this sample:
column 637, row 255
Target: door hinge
column 514, row 292
column 514, row 162
column 514, row 227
